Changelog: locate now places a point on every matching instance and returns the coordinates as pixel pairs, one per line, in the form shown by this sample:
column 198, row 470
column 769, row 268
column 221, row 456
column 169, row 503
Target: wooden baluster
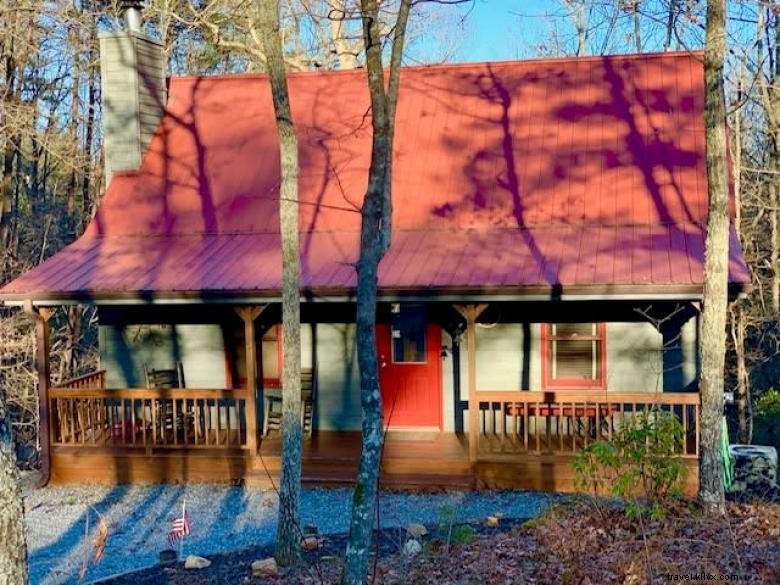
column 72, row 414
column 574, row 422
column 154, row 406
column 206, row 422
column 227, row 421
column 219, row 423
column 143, row 422
column 174, row 423
column 696, row 426
column 185, row 418
column 123, row 415
column 536, row 425
column 80, row 422
column 598, row 420
column 685, row 428
column 525, row 425
column 195, row 421
column 132, row 420
column 514, row 422
column 561, row 412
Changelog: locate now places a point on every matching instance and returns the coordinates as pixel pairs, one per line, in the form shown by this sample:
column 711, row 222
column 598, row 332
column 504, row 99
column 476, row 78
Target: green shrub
column 768, row 413
column 641, row 460
column 768, row 406
column 462, row 534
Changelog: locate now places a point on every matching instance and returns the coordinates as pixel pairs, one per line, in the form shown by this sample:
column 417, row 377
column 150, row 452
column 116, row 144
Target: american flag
column 180, row 528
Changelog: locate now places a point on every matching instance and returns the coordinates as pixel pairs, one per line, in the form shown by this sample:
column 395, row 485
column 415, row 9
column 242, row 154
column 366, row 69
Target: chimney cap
column 125, row 5
column 130, row 11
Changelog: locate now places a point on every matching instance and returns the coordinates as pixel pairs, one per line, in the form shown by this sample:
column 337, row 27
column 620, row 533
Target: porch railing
column 95, row 379
column 566, row 422
column 154, row 418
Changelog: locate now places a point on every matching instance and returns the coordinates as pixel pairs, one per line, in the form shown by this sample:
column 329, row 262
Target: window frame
column 573, row 383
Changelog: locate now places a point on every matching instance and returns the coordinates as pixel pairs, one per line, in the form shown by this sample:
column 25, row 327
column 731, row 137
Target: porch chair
column 167, row 378
column 273, row 406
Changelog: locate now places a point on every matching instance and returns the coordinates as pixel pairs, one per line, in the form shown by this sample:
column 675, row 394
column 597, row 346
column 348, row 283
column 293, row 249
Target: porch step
column 396, row 473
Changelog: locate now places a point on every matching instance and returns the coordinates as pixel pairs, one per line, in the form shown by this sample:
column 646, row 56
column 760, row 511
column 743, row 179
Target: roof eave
column 554, row 293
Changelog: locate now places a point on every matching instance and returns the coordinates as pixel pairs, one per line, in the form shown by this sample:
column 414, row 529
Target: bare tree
column 712, row 345
column 13, row 552
column 375, row 235
column 287, row 535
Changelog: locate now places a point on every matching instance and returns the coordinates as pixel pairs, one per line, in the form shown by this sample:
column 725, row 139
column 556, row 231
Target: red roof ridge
column 696, row 53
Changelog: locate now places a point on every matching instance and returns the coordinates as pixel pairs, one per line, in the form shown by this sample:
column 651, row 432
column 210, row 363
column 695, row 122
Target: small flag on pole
column 180, row 527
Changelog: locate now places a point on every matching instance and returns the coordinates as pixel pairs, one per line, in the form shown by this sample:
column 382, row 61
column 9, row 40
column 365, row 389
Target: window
column 407, row 328
column 268, row 350
column 574, row 355
column 271, row 353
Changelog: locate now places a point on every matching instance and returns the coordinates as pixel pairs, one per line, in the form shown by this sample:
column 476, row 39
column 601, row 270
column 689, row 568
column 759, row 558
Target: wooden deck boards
column 416, row 461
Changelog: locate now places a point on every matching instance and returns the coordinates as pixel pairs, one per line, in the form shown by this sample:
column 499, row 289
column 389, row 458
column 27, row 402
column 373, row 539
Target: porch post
column 249, row 315
column 42, row 349
column 471, row 313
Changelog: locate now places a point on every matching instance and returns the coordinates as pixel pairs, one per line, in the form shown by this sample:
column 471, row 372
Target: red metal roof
column 581, row 173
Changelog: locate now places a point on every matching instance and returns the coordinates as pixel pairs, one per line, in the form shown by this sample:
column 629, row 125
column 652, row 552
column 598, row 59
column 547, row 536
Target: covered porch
column 519, row 437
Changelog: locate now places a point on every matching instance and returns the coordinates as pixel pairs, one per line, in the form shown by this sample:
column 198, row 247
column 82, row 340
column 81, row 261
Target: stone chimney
column 132, row 76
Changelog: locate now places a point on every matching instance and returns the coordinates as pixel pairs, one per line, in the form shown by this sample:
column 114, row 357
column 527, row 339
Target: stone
column 755, row 467
column 265, row 568
column 168, row 555
column 310, row 543
column 492, row 522
column 416, row 530
column 195, row 562
column 412, row 548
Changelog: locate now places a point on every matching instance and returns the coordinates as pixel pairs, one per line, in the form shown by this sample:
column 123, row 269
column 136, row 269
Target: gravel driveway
column 223, row 518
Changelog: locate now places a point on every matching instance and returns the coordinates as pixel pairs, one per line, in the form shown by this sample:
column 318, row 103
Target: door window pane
column 407, row 327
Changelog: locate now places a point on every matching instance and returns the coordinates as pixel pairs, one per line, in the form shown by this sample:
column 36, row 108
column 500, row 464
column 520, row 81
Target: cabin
column 543, row 284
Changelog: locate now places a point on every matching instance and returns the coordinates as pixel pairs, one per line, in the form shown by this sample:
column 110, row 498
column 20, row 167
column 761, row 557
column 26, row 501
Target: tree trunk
column 375, row 232
column 637, row 28
column 13, row 551
column 712, row 347
column 288, row 531
column 742, row 391
column 670, row 24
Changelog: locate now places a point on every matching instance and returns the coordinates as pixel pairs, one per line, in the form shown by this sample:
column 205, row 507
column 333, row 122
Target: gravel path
column 223, row 519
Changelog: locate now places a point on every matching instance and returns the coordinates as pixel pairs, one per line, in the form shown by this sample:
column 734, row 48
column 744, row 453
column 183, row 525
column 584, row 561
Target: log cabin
column 543, row 283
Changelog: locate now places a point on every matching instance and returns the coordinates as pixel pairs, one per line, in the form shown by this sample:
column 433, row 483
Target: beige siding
column 125, row 350
column 634, row 358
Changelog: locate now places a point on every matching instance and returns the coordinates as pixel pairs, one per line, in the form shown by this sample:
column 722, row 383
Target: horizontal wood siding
column 133, row 93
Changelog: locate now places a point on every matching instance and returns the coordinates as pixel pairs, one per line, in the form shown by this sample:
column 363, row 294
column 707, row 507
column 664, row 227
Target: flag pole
column 184, row 519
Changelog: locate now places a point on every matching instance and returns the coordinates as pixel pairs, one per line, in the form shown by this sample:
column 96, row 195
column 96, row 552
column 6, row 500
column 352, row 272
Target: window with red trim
column 269, row 351
column 574, row 355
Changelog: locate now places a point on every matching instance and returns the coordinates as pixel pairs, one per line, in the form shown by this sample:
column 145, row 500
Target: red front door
column 410, row 369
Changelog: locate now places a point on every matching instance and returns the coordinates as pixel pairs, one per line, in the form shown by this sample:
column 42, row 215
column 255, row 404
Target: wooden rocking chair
column 273, row 410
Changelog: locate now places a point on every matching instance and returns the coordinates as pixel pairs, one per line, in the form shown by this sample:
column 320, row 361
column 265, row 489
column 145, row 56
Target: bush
column 642, row 460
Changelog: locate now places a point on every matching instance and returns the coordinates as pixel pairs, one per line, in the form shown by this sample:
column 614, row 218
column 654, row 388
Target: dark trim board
column 554, row 292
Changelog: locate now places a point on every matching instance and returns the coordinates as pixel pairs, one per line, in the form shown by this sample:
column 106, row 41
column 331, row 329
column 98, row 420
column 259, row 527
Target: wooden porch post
column 471, row 313
column 42, row 350
column 249, row 315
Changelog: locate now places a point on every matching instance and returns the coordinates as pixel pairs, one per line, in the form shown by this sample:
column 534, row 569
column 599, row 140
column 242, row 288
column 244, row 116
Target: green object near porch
column 728, row 462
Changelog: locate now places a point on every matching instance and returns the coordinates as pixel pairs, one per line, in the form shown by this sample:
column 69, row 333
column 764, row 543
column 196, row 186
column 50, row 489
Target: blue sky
column 501, row 29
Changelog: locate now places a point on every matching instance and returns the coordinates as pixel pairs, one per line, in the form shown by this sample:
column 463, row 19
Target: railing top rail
column 150, row 393
column 83, row 378
column 595, row 397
